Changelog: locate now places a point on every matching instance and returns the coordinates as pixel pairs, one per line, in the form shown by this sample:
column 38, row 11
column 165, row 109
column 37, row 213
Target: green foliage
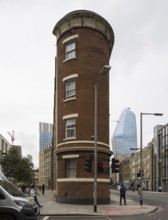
column 17, row 168
column 25, row 171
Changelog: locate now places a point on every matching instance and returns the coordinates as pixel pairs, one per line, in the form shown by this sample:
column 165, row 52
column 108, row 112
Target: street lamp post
column 104, row 71
column 141, row 143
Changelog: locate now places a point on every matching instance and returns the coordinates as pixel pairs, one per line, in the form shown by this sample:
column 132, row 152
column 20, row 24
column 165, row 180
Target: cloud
column 138, row 78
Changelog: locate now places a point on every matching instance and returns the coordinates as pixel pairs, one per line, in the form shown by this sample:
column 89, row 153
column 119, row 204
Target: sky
column 138, row 75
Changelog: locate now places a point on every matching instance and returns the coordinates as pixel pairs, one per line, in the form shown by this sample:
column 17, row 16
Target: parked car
column 14, row 205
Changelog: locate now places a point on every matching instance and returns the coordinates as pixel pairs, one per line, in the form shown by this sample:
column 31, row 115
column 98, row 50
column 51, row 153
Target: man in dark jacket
column 122, row 194
column 43, row 189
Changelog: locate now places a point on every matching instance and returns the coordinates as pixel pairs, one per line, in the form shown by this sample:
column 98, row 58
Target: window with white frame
column 70, row 88
column 71, row 168
column 70, row 128
column 70, row 50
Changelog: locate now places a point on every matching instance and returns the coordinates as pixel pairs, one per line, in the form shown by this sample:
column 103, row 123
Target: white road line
column 45, row 218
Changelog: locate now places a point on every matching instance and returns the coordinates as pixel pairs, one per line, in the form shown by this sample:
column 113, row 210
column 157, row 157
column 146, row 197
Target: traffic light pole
column 95, row 153
column 141, row 192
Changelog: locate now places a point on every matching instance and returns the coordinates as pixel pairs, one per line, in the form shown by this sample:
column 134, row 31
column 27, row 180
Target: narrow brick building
column 84, row 45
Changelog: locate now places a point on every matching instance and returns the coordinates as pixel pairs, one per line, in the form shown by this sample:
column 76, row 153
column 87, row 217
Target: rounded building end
column 85, row 19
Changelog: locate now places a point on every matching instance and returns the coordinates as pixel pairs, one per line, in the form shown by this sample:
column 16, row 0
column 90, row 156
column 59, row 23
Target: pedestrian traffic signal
column 88, row 164
column 115, row 165
column 139, row 174
column 100, row 167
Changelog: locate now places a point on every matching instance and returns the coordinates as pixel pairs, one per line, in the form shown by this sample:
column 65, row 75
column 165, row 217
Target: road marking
column 45, row 218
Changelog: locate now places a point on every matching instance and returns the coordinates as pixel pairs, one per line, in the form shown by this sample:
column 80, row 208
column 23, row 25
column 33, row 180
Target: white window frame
column 70, row 50
column 71, row 168
column 70, row 88
column 70, row 128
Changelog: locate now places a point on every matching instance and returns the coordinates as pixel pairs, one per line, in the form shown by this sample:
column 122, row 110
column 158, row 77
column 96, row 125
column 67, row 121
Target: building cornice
column 100, row 180
column 82, row 149
column 84, row 19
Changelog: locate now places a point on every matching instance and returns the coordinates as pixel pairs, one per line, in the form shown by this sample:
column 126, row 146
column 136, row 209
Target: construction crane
column 12, row 135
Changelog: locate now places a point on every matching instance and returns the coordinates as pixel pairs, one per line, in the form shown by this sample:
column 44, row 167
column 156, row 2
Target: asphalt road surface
column 75, row 218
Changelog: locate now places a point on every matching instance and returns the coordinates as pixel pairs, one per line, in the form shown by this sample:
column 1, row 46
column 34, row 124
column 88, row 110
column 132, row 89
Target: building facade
column 45, row 164
column 130, row 169
column 45, row 134
column 4, row 148
column 84, row 45
column 124, row 174
column 160, row 155
column 154, row 163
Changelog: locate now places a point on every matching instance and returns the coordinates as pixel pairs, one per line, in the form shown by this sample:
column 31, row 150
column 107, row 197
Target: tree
column 25, row 171
column 11, row 164
column 18, row 169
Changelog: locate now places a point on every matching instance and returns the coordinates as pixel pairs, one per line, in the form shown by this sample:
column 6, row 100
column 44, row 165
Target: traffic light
column 139, row 174
column 88, row 164
column 100, row 167
column 115, row 165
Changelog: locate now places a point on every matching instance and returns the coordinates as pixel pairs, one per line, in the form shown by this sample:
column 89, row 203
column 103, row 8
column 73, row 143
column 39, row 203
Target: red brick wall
column 92, row 54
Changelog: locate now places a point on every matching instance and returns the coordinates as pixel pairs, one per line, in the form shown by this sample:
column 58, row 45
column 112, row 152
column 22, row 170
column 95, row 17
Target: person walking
column 34, row 193
column 122, row 194
column 43, row 189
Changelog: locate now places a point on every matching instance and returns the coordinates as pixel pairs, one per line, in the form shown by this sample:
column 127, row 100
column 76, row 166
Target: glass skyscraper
column 125, row 134
column 45, row 134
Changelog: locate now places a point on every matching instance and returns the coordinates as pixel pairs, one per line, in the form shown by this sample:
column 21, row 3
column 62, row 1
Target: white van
column 14, row 205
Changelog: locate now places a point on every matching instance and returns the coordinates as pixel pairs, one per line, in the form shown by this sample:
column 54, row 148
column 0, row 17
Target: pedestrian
column 43, row 189
column 23, row 188
column 122, row 194
column 34, row 193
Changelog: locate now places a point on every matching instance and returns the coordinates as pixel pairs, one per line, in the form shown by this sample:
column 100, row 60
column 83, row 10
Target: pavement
column 51, row 207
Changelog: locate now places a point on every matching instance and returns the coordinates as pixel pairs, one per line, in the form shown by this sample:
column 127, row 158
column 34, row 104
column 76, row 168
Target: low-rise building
column 124, row 175
column 45, row 166
column 160, row 155
column 4, row 148
column 130, row 169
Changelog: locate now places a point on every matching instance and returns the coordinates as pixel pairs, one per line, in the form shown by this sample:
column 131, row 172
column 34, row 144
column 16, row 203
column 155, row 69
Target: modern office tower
column 84, row 45
column 125, row 134
column 45, row 134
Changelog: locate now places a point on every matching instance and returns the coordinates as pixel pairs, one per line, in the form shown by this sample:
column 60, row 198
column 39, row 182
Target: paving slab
column 51, row 207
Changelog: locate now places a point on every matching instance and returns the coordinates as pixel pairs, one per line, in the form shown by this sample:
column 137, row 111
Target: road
column 157, row 199
column 76, row 218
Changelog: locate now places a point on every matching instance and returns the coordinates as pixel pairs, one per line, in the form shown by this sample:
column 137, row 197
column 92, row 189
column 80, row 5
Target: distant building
column 160, row 158
column 45, row 164
column 4, row 148
column 45, row 134
column 125, row 134
column 130, row 169
column 4, row 145
column 36, row 177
